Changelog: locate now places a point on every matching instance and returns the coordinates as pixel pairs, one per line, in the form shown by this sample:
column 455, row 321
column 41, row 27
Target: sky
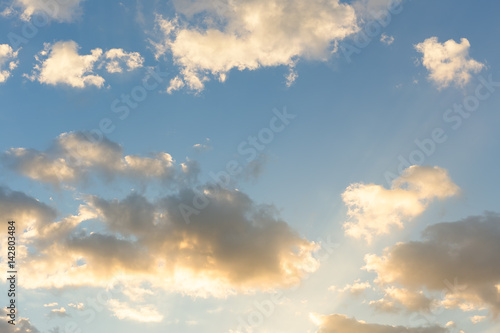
column 239, row 166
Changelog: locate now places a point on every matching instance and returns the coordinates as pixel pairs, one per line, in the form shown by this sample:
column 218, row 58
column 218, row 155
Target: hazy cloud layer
column 459, row 258
column 396, row 299
column 373, row 209
column 59, row 10
column 337, row 323
column 141, row 313
column 23, row 325
column 448, row 62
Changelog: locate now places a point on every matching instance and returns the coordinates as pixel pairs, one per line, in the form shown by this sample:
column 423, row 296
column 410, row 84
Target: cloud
column 78, row 306
column 337, row 323
column 387, row 40
column 396, row 299
column 448, row 62
column 463, row 252
column 23, row 325
column 75, row 156
column 61, row 313
column 27, row 212
column 146, row 313
column 117, row 59
column 60, row 63
column 62, row 11
column 230, row 246
column 8, row 61
column 376, row 209
column 250, row 35
column 477, row 319
column 50, row 305
column 357, row 288
column 201, row 147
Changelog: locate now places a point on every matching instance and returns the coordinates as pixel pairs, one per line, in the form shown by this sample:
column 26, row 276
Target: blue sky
column 118, row 115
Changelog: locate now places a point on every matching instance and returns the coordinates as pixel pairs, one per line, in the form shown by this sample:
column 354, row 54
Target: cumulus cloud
column 463, row 252
column 448, row 62
column 74, row 156
column 373, row 209
column 250, row 35
column 62, row 11
column 8, row 61
column 117, row 59
column 146, row 313
column 337, row 323
column 61, row 63
column 230, row 246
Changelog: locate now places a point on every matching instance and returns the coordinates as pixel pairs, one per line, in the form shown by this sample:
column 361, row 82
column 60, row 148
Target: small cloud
column 477, row 319
column 8, row 61
column 79, row 306
column 201, row 147
column 50, row 305
column 175, row 84
column 291, row 76
column 386, row 39
column 61, row 313
column 448, row 62
column 357, row 288
column 118, row 59
column 124, row 311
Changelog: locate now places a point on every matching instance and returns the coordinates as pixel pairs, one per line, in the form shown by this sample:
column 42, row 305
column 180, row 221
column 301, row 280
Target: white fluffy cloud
column 448, row 62
column 61, row 63
column 59, row 10
column 117, row 59
column 8, row 61
column 459, row 259
column 337, row 323
column 251, row 34
column 373, row 209
column 74, row 156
